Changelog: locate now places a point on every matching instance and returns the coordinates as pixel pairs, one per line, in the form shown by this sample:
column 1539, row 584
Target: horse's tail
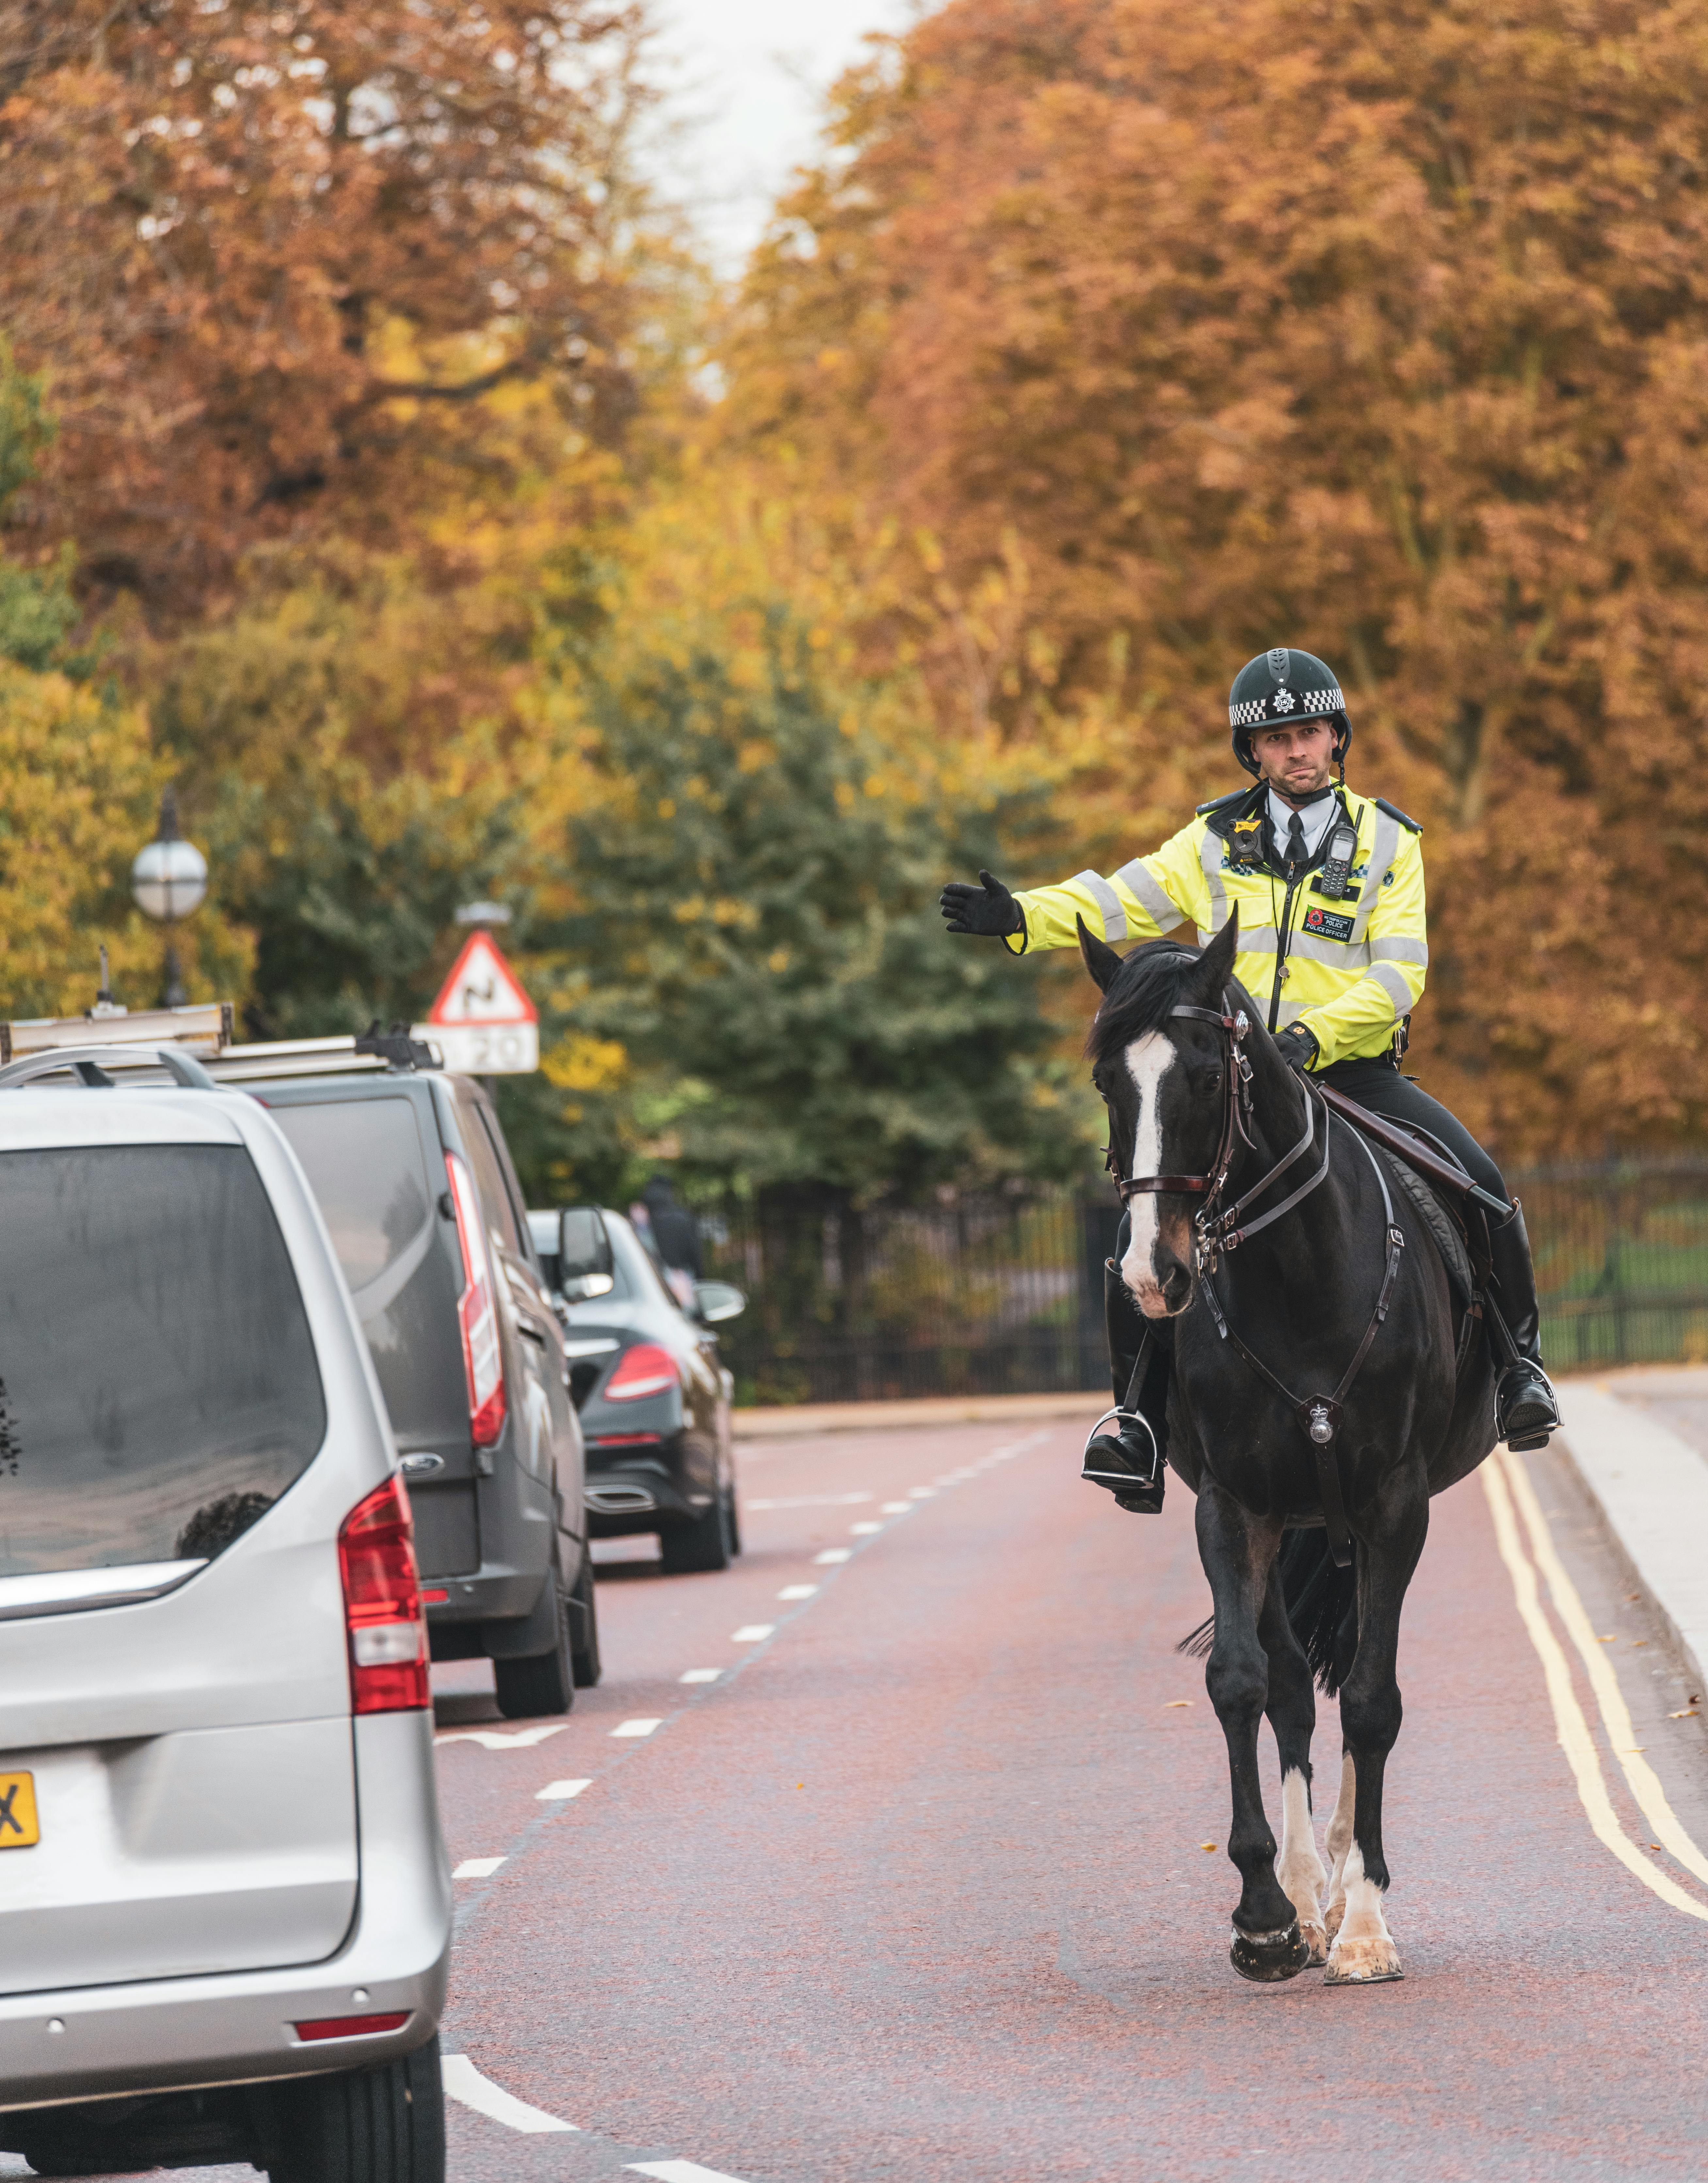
column 1321, row 1606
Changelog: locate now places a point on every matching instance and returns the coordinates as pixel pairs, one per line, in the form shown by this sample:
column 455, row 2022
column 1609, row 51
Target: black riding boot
column 1525, row 1408
column 1128, row 1457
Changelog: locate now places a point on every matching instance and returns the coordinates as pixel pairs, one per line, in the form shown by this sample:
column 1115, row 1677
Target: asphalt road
column 930, row 1880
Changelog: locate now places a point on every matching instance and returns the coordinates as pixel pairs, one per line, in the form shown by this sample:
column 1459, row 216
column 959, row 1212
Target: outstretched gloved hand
column 989, row 909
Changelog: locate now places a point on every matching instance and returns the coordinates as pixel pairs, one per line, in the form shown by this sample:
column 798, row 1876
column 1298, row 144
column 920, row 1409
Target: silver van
column 225, row 1902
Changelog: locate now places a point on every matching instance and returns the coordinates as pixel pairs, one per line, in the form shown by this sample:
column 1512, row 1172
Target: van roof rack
column 205, row 1032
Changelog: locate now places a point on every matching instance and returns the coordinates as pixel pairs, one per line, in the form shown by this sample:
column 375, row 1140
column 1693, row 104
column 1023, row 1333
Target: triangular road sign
column 481, row 989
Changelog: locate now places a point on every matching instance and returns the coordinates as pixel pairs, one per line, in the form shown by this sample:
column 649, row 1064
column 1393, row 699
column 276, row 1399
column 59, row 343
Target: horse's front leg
column 1292, row 1710
column 1237, row 1551
column 1389, row 1544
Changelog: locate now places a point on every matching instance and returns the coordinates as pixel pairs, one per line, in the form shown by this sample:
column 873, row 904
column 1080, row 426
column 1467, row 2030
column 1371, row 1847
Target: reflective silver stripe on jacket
column 1210, row 856
column 1389, row 980
column 1107, row 901
column 1383, row 849
column 1338, row 954
column 1149, row 896
column 1257, row 942
column 1400, row 950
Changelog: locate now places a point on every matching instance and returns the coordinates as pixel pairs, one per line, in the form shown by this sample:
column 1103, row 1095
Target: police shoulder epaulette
column 1221, row 803
column 1395, row 812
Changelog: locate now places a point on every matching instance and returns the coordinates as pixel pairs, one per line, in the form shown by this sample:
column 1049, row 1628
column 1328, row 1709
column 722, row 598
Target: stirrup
column 1532, row 1434
column 1110, row 1467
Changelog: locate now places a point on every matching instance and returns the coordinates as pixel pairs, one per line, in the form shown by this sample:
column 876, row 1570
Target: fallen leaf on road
column 1685, row 1713
column 1172, row 1703
column 1206, row 1845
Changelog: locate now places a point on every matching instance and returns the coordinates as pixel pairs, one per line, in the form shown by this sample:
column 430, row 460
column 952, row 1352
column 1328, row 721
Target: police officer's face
column 1296, row 760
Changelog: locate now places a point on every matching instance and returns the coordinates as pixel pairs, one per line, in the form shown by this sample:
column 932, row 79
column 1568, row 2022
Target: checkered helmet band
column 1284, row 705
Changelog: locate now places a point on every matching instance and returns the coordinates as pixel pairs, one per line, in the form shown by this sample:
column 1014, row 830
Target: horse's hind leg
column 1370, row 1714
column 1340, row 1841
column 1292, row 1710
column 1239, row 1553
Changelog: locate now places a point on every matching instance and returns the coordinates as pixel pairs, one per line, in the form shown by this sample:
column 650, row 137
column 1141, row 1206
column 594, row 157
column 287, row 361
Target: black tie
column 1296, row 843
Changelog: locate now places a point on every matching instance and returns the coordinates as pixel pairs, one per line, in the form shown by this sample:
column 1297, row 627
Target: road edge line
column 464, row 2084
column 1572, row 1730
column 1645, row 1783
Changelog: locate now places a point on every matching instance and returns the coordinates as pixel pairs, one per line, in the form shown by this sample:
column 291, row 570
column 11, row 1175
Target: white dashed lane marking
column 493, row 1739
column 832, row 1554
column 797, row 1591
column 477, row 1868
column 557, row 1791
column 810, row 1501
column 636, row 1727
column 680, row 2171
column 752, row 1633
column 921, row 1492
column 701, row 1676
column 897, row 1508
column 864, row 1531
column 464, row 2082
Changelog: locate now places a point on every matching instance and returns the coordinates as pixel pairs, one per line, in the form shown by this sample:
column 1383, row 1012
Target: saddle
column 1459, row 1229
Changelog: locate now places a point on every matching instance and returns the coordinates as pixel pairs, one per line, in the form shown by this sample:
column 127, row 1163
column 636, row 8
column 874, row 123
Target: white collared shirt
column 1315, row 819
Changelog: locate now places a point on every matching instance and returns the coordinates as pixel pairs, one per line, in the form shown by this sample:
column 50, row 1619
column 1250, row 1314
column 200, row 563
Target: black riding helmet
column 1278, row 687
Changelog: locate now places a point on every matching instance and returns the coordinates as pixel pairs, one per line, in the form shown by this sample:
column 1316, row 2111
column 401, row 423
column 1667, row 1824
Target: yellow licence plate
column 19, row 1828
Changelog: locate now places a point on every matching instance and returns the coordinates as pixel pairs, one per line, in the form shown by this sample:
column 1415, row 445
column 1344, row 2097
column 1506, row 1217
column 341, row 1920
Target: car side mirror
column 718, row 1300
column 584, row 1264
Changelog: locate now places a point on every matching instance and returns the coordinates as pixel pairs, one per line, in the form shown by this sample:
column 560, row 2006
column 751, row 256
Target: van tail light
column 482, row 1360
column 382, row 1603
column 647, row 1368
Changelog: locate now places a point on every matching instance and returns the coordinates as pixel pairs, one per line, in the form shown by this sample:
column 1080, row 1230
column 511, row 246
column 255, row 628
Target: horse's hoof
column 1370, row 1961
column 1267, row 1958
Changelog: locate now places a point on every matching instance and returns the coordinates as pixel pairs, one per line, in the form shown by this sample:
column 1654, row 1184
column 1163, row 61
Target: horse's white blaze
column 1149, row 1060
column 1364, row 1947
column 1298, row 1868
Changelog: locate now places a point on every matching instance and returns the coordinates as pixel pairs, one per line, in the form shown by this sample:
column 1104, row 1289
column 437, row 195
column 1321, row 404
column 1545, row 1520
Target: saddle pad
column 1443, row 1227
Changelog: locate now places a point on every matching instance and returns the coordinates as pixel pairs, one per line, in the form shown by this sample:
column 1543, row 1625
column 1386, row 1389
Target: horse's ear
column 1100, row 960
column 1216, row 964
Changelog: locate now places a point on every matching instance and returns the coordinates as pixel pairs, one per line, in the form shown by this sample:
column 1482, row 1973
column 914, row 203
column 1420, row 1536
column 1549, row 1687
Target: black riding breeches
column 1379, row 1086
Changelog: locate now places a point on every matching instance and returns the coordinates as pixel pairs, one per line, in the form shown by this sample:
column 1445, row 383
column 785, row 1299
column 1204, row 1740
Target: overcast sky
column 748, row 79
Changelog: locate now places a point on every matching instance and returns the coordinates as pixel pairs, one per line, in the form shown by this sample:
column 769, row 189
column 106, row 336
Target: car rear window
column 158, row 1386
column 364, row 1162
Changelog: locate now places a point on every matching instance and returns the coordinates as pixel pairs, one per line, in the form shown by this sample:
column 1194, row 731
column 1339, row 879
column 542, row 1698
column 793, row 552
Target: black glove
column 989, row 910
column 1298, row 1047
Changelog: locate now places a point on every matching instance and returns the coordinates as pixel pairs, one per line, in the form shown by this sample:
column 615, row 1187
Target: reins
column 1218, row 1231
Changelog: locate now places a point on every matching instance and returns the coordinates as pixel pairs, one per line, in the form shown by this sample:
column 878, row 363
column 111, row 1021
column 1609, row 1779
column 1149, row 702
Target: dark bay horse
column 1314, row 1395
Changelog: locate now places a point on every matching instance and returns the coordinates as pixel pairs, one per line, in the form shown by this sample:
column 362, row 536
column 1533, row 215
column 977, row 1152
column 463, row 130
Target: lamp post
column 168, row 880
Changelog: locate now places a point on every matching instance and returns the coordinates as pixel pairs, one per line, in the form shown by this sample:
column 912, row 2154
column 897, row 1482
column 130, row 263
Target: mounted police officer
column 1333, row 947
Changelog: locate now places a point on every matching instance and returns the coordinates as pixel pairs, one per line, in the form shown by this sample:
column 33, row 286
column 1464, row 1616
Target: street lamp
column 168, row 880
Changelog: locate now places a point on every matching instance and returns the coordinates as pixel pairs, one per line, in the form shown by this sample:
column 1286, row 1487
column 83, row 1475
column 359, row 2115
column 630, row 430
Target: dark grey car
column 415, row 1181
column 654, row 1398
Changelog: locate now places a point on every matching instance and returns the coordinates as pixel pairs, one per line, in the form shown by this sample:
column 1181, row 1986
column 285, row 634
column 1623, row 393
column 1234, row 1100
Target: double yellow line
column 1506, row 1481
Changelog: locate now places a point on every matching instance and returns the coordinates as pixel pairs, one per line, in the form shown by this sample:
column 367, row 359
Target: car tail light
column 482, row 1360
column 647, row 1368
column 353, row 2027
column 382, row 1604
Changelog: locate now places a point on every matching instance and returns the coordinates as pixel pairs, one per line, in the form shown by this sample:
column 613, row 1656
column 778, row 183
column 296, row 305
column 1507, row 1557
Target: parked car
column 654, row 1399
column 412, row 1174
column 225, row 1902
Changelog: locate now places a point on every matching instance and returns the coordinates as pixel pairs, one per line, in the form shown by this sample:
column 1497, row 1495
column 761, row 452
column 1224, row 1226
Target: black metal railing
column 1004, row 1294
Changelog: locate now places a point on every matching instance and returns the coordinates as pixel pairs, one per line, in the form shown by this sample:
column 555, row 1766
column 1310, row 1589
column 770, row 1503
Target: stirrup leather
column 1124, row 1479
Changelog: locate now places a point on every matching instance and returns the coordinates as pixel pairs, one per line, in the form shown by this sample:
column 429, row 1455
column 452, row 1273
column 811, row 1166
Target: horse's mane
column 1145, row 989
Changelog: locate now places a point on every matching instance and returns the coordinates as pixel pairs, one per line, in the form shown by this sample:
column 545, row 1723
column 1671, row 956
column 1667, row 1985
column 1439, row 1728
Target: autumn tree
column 1381, row 330
column 272, row 255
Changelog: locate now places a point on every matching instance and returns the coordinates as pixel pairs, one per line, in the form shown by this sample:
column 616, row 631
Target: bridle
column 1219, row 1231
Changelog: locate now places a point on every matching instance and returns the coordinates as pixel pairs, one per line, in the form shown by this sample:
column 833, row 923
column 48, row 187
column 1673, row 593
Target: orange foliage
column 1381, row 330
column 271, row 255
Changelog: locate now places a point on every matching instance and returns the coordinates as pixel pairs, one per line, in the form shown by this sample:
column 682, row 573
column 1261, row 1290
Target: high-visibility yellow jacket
column 1348, row 965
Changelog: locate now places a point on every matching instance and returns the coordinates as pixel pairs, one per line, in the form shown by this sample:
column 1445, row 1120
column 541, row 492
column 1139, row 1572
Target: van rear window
column 158, row 1387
